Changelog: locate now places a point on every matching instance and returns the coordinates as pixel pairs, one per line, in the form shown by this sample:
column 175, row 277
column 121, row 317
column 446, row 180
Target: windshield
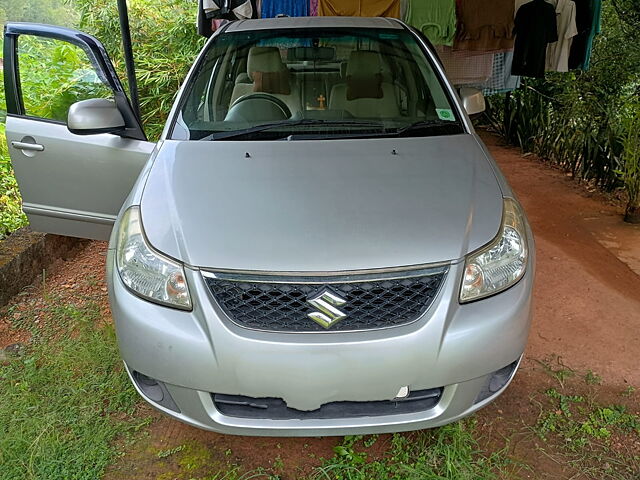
column 314, row 83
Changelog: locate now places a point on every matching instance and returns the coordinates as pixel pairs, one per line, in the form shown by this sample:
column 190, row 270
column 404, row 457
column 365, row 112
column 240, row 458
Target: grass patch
column 555, row 368
column 65, row 401
column 600, row 439
column 449, row 452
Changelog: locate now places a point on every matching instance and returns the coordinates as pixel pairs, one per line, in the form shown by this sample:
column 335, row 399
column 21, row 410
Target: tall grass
column 630, row 172
column 66, row 399
column 587, row 145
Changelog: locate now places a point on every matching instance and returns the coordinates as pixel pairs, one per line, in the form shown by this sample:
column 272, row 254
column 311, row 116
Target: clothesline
column 488, row 44
column 548, row 97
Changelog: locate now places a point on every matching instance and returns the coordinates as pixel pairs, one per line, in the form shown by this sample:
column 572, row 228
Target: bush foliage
column 165, row 45
column 579, row 120
column 11, row 216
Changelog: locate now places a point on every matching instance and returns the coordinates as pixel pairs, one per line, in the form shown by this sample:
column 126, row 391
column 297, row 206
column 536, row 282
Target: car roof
column 313, row 22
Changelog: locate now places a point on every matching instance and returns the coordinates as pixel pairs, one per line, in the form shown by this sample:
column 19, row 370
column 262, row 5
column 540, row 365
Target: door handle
column 35, row 147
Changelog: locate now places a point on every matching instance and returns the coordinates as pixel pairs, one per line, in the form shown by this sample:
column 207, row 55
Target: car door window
column 54, row 74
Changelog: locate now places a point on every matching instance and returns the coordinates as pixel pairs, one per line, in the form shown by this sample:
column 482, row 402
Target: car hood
column 321, row 206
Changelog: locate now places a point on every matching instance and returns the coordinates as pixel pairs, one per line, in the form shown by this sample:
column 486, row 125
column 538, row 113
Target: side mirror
column 472, row 100
column 96, row 115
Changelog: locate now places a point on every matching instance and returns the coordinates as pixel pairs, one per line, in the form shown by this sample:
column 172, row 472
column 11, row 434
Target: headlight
column 146, row 272
column 497, row 266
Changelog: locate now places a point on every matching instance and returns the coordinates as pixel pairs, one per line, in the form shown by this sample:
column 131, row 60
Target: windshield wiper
column 426, row 125
column 223, row 135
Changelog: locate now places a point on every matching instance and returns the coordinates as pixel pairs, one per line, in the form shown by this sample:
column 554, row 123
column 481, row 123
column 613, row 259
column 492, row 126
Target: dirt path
column 587, row 313
column 587, row 300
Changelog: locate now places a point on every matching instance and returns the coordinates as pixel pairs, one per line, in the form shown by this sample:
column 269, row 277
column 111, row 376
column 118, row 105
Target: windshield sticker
column 445, row 114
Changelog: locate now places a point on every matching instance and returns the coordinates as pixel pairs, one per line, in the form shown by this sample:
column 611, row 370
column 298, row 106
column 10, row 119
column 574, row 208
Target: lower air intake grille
column 284, row 306
column 276, row 408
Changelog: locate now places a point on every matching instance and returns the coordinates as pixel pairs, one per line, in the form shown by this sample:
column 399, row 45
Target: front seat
column 365, row 94
column 267, row 73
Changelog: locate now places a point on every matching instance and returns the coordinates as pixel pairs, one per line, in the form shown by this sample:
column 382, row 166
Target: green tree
column 57, row 12
column 165, row 45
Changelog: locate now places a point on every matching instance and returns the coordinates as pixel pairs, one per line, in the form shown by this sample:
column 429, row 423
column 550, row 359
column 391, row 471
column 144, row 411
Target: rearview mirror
column 472, row 100
column 96, row 115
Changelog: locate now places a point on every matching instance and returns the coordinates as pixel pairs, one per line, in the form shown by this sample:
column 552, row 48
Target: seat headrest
column 364, row 63
column 264, row 59
column 243, row 78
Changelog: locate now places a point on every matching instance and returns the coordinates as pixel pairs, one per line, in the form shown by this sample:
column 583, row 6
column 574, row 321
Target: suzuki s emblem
column 326, row 301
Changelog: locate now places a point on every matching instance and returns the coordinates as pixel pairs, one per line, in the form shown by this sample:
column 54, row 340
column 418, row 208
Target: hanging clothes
column 436, row 19
column 228, row 9
column 464, row 67
column 404, row 5
column 501, row 80
column 535, row 27
column 359, row 8
column 484, row 26
column 518, row 4
column 588, row 13
column 290, row 8
column 313, row 8
column 211, row 13
column 558, row 52
column 583, row 24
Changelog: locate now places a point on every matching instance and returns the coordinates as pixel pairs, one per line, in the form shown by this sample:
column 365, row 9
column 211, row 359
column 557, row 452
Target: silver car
column 319, row 244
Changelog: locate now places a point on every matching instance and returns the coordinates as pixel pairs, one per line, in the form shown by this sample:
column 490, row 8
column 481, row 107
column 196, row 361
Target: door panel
column 99, row 169
column 70, row 184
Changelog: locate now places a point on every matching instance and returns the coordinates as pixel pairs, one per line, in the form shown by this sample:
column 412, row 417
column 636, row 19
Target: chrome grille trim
column 314, row 274
column 327, row 278
column 375, row 301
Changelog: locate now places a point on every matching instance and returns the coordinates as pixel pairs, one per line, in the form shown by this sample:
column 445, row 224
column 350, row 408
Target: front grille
column 276, row 408
column 282, row 306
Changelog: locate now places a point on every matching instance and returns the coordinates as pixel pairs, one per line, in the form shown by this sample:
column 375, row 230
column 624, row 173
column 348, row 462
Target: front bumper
column 201, row 352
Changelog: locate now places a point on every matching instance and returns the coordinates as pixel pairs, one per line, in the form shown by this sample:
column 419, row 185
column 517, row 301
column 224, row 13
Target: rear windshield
column 314, row 83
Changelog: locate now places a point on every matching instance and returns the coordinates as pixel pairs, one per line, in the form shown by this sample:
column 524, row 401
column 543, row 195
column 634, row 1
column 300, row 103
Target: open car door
column 71, row 183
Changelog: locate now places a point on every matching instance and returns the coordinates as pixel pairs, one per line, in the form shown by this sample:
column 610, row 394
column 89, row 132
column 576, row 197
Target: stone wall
column 25, row 254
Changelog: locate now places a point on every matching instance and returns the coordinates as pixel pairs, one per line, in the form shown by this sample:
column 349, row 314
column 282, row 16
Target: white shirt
column 558, row 52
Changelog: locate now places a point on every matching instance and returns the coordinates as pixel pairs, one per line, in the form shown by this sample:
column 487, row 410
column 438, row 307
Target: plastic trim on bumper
column 202, row 413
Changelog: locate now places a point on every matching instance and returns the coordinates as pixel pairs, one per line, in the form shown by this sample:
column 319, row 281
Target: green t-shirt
column 436, row 19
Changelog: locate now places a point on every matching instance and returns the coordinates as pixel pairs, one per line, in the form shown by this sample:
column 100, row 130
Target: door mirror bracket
column 93, row 116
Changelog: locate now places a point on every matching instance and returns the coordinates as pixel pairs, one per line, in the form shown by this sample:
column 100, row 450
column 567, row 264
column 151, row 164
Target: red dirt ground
column 586, row 312
column 587, row 300
column 586, row 296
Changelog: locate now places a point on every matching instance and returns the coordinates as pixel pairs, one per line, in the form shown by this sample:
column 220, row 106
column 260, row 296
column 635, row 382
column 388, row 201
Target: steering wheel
column 257, row 107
